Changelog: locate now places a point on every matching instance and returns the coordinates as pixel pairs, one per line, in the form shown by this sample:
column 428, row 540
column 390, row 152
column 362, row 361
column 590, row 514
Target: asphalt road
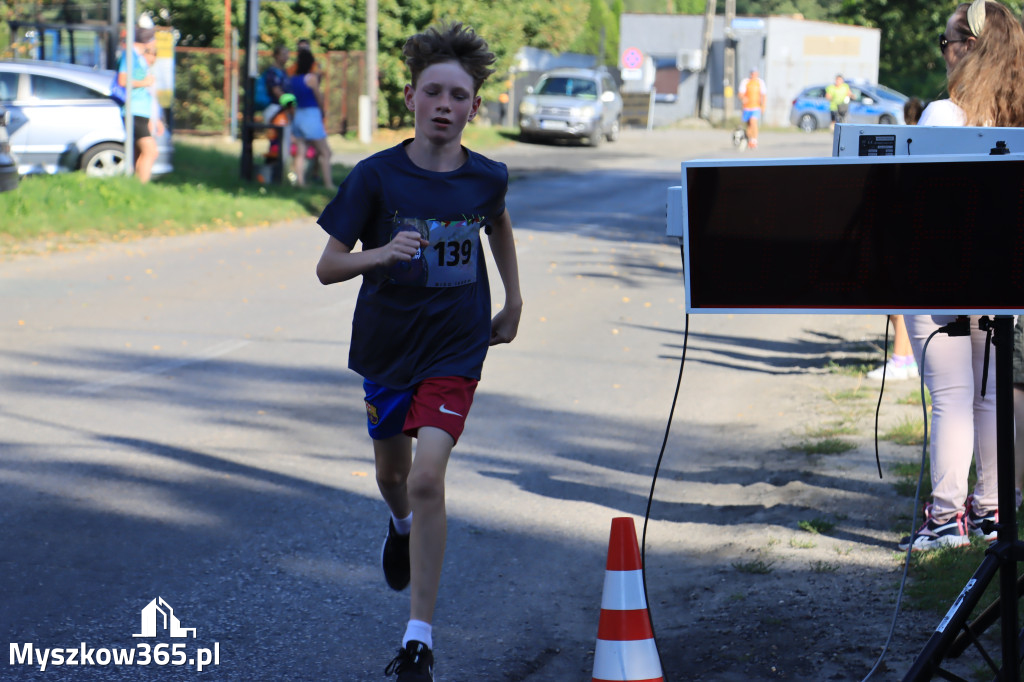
column 177, row 422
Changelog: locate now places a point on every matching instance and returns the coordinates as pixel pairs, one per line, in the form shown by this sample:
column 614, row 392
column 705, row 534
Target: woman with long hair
column 983, row 46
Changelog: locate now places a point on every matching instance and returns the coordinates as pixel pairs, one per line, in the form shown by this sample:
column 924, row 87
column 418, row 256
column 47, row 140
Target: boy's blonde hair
column 449, row 41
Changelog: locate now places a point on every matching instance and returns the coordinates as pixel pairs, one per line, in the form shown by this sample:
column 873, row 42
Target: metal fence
column 207, row 93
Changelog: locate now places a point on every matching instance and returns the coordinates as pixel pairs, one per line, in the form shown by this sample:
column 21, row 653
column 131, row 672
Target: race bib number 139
column 450, row 260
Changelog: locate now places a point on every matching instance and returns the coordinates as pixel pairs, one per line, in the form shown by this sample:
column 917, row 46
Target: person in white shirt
column 982, row 45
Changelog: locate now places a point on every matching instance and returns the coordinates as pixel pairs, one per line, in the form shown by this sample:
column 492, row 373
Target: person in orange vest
column 752, row 97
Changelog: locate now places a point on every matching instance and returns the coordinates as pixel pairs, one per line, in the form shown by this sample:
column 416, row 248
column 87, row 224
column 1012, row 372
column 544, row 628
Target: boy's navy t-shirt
column 430, row 317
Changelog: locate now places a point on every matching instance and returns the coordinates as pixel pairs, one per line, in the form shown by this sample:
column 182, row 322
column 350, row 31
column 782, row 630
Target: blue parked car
column 868, row 104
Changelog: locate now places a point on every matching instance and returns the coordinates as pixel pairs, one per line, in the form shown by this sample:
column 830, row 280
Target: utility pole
column 705, row 56
column 371, row 69
column 730, row 58
column 129, row 68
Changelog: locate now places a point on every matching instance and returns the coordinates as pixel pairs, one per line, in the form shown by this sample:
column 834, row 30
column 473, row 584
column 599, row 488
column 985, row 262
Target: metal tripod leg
column 984, row 621
column 938, row 646
column 1003, row 556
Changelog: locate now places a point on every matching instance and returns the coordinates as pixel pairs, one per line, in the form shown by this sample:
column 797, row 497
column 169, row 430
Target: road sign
column 632, row 58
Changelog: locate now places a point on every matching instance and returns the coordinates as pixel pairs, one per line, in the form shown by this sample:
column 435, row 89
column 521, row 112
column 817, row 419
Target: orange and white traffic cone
column 626, row 650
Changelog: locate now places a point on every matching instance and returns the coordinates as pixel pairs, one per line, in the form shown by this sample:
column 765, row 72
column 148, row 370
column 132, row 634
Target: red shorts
column 441, row 402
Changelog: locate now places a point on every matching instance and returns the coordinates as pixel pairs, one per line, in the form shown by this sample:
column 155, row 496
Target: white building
column 790, row 54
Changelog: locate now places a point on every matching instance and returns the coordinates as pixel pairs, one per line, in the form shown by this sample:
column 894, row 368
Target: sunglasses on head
column 944, row 42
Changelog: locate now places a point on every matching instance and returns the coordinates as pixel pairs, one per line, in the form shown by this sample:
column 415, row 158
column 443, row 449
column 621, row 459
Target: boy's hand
column 505, row 325
column 403, row 247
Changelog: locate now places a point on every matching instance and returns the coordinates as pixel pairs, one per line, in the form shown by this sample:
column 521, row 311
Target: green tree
column 600, row 35
column 330, row 25
column 506, row 27
column 817, row 10
column 909, row 58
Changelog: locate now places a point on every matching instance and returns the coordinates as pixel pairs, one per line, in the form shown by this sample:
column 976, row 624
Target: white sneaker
column 894, row 372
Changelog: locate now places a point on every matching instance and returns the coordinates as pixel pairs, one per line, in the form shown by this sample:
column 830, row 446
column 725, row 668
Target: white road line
column 125, row 378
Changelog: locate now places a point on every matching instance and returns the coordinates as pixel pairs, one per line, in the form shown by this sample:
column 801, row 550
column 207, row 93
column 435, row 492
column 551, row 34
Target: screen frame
column 852, row 140
column 767, row 165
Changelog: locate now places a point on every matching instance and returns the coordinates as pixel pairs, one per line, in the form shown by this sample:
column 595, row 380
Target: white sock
column 403, row 526
column 420, row 631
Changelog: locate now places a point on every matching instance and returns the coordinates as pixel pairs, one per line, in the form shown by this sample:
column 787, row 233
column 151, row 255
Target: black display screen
column 884, row 235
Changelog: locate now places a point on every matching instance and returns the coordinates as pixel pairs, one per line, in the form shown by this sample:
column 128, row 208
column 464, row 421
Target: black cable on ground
column 881, row 392
column 654, row 481
column 913, row 519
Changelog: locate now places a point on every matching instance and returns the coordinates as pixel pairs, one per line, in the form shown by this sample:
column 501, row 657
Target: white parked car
column 63, row 119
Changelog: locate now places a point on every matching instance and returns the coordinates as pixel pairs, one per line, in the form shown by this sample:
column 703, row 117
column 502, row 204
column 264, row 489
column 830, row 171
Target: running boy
column 422, row 322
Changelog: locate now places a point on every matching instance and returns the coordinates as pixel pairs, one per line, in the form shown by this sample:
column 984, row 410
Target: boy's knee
column 390, row 478
column 426, row 487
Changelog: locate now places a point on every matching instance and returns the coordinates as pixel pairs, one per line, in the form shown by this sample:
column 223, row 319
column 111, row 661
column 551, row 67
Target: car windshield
column 889, row 93
column 571, row 87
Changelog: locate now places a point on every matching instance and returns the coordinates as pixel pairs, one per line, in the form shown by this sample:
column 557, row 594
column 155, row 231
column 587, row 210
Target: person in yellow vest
column 838, row 95
column 752, row 96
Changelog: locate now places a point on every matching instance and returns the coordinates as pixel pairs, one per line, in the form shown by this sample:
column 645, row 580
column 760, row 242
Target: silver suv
column 572, row 104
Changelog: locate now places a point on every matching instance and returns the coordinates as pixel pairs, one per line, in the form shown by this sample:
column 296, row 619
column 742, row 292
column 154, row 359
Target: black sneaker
column 414, row 663
column 976, row 522
column 394, row 558
column 934, row 534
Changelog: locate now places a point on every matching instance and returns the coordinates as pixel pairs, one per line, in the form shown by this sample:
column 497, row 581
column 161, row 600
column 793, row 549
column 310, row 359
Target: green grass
column 857, row 393
column 908, row 431
column 914, row 398
column 848, row 367
column 205, row 192
column 759, row 566
column 938, row 577
column 816, row 526
column 826, row 446
column 906, row 475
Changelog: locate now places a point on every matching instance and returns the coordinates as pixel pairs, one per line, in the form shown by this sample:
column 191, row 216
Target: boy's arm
column 339, row 264
column 505, row 324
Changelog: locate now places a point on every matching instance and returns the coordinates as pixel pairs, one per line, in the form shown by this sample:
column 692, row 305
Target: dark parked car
column 868, row 104
column 63, row 119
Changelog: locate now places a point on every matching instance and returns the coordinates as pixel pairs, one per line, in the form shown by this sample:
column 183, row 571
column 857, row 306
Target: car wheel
column 103, row 160
column 808, row 123
column 887, row 120
column 613, row 134
column 595, row 139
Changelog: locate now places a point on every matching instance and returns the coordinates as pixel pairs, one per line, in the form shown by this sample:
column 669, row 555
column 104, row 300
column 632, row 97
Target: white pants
column 963, row 423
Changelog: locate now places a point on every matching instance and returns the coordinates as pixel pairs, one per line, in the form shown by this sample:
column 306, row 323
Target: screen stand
column 955, row 633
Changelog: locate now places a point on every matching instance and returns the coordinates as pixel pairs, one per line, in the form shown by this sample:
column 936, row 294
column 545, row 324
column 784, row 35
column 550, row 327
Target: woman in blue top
column 308, row 124
column 146, row 120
